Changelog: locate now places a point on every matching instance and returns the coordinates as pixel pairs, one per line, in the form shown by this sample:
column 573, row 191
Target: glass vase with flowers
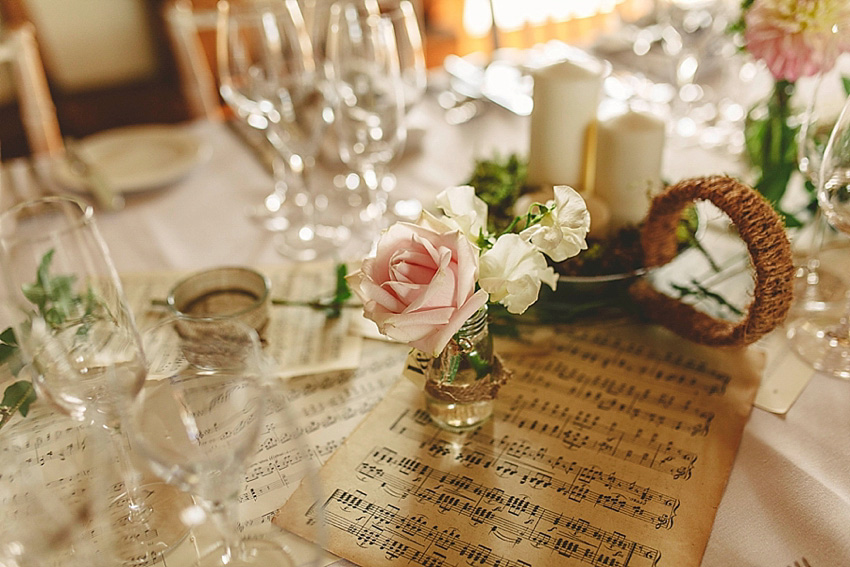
column 428, row 284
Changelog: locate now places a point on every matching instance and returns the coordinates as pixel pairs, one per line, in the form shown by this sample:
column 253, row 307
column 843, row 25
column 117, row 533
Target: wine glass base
column 254, row 553
column 267, row 216
column 823, row 342
column 308, row 244
column 157, row 530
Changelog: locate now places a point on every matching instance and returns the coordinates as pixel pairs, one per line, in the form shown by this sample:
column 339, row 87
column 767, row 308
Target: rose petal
column 437, row 342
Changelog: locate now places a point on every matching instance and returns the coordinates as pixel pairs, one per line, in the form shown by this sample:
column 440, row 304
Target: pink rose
column 798, row 38
column 419, row 288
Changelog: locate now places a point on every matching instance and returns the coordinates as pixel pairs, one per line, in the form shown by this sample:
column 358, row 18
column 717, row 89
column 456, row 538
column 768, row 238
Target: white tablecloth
column 788, row 496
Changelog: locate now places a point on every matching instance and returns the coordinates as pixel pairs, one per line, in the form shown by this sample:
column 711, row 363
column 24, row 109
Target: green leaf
column 8, row 345
column 699, row 291
column 499, row 182
column 16, row 398
column 771, row 142
column 846, row 82
column 343, row 292
column 481, row 366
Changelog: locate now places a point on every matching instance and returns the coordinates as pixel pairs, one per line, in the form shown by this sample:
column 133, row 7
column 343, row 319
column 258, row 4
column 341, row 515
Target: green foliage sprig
column 332, row 305
column 56, row 302
column 20, row 394
column 499, row 182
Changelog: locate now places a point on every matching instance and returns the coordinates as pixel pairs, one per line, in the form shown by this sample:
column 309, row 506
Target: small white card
column 785, row 375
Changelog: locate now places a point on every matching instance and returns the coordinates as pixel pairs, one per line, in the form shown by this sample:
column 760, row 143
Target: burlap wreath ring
column 762, row 231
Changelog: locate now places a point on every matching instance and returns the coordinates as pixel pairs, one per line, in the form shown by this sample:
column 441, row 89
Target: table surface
column 788, row 496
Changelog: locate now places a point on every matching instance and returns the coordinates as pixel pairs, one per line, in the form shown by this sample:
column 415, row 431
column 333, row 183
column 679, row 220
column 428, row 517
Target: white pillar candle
column 628, row 164
column 566, row 97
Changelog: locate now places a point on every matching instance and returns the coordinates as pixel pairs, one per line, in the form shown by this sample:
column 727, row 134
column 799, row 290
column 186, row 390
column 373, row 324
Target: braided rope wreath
column 762, row 231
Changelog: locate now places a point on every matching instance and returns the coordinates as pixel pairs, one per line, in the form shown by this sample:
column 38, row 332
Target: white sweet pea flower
column 441, row 224
column 512, row 271
column 464, row 210
column 561, row 233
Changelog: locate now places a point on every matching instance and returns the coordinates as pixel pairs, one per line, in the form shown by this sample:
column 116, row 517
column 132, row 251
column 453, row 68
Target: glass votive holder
column 224, row 294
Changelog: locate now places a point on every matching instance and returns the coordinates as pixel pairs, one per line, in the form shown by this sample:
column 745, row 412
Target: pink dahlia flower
column 798, row 38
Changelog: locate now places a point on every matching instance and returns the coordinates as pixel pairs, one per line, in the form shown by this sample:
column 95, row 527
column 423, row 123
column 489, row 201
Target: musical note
column 448, row 491
column 654, row 452
column 597, row 453
column 376, row 526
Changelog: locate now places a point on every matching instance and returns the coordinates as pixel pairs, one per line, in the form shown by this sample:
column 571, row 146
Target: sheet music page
column 327, row 404
column 327, row 407
column 609, row 446
column 303, row 340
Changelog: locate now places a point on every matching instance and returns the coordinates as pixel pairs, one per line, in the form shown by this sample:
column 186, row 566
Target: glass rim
column 20, row 211
column 176, row 325
column 247, row 10
column 172, row 318
column 243, row 270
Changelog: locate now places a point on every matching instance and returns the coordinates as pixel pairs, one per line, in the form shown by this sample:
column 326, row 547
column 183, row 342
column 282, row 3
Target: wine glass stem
column 293, row 175
column 841, row 332
column 372, row 175
column 818, row 237
column 139, row 511
column 225, row 518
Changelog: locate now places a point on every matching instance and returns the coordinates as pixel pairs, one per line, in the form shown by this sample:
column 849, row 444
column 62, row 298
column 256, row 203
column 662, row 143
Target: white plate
column 137, row 158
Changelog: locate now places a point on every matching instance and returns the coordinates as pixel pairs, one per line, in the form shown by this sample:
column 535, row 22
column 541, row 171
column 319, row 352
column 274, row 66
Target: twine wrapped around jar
column 464, row 380
column 475, row 392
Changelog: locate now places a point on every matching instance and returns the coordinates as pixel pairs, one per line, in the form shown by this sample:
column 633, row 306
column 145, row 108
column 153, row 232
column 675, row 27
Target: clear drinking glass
column 369, row 96
column 816, row 288
column 824, row 339
column 691, row 33
column 270, row 78
column 411, row 51
column 198, row 421
column 414, row 80
column 76, row 331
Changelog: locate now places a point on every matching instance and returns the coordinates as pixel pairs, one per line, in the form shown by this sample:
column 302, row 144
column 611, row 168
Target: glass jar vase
column 461, row 383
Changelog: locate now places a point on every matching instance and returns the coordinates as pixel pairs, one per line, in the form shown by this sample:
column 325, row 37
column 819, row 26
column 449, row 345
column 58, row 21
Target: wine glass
column 76, row 331
column 414, row 80
column 411, row 52
column 369, row 118
column 199, row 420
column 824, row 340
column 691, row 31
column 269, row 76
column 816, row 287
